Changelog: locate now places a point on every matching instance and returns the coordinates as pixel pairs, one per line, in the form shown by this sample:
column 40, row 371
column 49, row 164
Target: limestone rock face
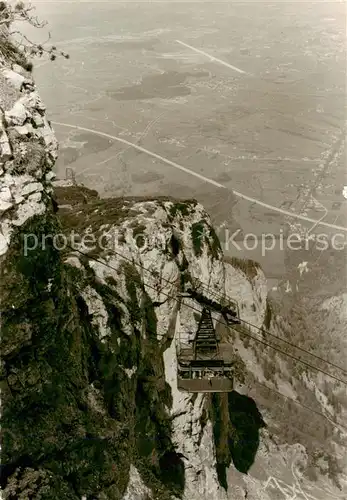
column 28, row 151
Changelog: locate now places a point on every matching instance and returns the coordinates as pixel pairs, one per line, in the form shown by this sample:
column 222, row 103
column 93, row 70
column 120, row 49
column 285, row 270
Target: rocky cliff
column 90, row 314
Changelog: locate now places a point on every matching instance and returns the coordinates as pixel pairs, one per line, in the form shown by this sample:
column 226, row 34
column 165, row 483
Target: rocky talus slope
column 90, row 315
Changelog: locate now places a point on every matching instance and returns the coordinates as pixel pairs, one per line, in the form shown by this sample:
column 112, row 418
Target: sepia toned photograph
column 173, row 250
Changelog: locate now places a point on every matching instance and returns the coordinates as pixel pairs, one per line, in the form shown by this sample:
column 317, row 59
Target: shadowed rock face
column 245, row 423
column 236, row 425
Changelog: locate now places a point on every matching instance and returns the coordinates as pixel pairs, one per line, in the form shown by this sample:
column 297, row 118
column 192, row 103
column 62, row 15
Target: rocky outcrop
column 28, row 151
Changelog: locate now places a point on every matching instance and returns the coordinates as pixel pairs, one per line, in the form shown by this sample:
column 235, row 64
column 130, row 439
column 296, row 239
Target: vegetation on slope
column 17, row 48
column 248, row 266
column 204, row 234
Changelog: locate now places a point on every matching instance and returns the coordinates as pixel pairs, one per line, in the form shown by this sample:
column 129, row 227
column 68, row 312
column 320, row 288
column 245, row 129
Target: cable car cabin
column 200, row 367
column 205, row 376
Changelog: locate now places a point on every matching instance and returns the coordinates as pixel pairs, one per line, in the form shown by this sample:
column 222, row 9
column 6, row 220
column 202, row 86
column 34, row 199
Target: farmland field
column 249, row 96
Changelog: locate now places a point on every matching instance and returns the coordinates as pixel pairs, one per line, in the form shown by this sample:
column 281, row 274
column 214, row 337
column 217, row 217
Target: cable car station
column 204, row 362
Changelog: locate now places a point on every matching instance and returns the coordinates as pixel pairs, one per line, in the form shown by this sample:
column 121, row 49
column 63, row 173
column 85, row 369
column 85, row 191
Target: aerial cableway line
column 237, row 326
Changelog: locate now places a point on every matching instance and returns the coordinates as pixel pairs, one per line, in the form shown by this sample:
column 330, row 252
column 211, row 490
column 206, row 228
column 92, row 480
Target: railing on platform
column 205, row 385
